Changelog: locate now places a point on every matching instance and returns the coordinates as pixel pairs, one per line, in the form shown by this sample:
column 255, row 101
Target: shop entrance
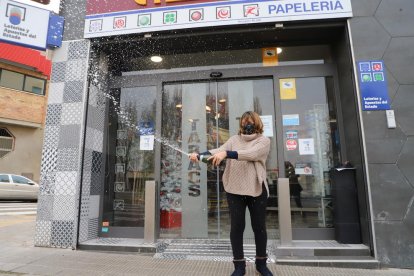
column 198, row 116
column 196, row 110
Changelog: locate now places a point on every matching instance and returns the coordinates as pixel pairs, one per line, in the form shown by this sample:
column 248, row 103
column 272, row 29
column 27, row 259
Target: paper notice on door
column 306, row 146
column 267, row 125
column 287, row 89
column 146, row 142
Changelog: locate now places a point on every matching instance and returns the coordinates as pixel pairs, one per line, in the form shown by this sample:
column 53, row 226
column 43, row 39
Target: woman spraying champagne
column 245, row 183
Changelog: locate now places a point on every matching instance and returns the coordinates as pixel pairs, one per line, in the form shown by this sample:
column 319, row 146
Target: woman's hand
column 193, row 157
column 217, row 158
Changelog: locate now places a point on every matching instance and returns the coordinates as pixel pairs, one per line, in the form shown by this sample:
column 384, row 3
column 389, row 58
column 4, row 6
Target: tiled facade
column 380, row 29
column 383, row 29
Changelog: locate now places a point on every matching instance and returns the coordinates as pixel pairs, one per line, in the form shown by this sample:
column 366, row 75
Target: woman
column 244, row 181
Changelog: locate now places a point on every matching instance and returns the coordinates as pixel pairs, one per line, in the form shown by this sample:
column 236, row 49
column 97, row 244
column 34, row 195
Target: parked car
column 17, row 187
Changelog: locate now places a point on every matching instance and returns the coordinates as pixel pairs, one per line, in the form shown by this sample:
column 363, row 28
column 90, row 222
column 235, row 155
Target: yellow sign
column 287, row 89
column 269, row 56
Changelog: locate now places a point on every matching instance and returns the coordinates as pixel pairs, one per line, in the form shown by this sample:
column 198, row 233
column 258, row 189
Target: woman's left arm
column 258, row 151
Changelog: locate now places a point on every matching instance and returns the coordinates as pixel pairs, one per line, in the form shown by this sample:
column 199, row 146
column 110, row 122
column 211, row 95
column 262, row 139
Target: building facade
column 23, row 97
column 117, row 121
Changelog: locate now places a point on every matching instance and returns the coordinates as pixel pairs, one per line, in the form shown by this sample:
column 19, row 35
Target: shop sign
column 50, row 5
column 373, row 85
column 23, row 24
column 118, row 17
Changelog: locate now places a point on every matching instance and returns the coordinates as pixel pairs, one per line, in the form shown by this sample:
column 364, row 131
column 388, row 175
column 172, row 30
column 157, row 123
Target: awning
column 26, row 56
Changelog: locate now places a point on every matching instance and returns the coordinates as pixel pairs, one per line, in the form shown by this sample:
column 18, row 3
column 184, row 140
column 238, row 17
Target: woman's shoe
column 261, row 267
column 239, row 268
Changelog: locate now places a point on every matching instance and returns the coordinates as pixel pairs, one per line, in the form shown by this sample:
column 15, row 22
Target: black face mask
column 248, row 129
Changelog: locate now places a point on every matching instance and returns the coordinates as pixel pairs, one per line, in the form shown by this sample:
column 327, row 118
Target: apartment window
column 22, row 82
column 6, row 142
column 12, row 80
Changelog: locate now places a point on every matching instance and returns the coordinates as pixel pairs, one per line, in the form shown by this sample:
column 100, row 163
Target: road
column 13, row 212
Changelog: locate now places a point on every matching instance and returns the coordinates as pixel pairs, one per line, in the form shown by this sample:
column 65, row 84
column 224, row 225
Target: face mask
column 248, row 129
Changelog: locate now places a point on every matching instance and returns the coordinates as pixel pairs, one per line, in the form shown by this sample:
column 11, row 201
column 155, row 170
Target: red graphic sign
column 291, row 144
column 223, row 12
column 119, row 22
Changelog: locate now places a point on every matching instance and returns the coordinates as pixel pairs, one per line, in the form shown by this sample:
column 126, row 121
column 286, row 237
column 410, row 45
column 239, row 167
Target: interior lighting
column 156, row 59
column 222, row 100
column 279, row 50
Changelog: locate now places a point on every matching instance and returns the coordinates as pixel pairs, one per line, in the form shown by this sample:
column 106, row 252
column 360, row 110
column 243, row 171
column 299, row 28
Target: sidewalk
column 18, row 256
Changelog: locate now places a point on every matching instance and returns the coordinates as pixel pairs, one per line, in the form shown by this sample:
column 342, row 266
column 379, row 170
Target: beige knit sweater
column 245, row 175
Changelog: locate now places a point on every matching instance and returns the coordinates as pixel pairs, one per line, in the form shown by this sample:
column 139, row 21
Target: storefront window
column 130, row 155
column 311, row 148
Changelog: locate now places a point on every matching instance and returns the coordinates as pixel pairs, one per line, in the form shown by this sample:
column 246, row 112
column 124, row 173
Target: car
column 17, row 187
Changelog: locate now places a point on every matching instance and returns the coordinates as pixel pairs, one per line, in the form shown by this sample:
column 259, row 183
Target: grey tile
column 391, row 193
column 403, row 105
column 73, row 91
column 394, row 244
column 397, row 17
column 399, row 59
column 53, row 116
column 58, row 72
column 364, row 7
column 45, row 207
column 384, row 150
column 69, row 136
column 49, row 159
column 405, row 162
column 68, row 159
column 78, row 49
column 375, row 127
column 369, row 38
column 62, row 234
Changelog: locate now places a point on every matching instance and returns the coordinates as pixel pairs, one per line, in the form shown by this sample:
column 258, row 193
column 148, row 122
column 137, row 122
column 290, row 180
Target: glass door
column 129, row 161
column 311, row 149
column 198, row 116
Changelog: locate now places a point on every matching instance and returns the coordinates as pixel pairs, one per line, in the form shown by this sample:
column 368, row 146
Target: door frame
column 157, row 78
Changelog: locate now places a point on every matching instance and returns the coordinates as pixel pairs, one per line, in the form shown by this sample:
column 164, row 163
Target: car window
column 4, row 178
column 20, row 179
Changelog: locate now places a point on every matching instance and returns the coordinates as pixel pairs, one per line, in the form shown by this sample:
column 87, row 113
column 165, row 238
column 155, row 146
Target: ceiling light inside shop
column 222, row 100
column 279, row 50
column 179, row 106
column 208, row 109
column 156, row 59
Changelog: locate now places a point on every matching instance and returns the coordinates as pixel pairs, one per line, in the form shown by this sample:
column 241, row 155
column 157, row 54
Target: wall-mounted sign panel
column 116, row 17
column 50, row 5
column 373, row 85
column 23, row 24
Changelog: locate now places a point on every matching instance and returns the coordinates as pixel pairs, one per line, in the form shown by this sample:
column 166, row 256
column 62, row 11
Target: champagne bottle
column 204, row 157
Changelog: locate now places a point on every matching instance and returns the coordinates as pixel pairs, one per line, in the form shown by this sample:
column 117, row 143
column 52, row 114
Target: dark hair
column 258, row 124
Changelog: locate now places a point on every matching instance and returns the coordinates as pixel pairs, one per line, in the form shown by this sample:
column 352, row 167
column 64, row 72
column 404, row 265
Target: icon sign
column 95, row 25
column 291, row 144
column 376, row 66
column 251, row 10
column 144, row 19
column 379, row 76
column 366, row 77
column 16, row 14
column 170, row 17
column 196, row 15
column 365, row 67
column 120, row 22
column 223, row 12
